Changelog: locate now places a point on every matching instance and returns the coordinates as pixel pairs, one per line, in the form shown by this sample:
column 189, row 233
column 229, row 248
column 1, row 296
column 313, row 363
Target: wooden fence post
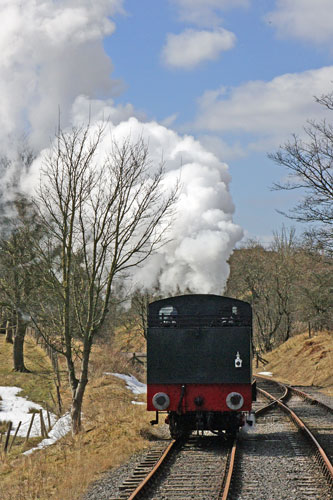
column 48, row 420
column 7, row 437
column 14, row 437
column 59, row 399
column 9, row 333
column 30, row 426
column 42, row 424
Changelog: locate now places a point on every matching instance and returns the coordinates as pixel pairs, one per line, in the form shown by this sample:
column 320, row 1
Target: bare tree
column 17, row 228
column 315, row 286
column 16, row 274
column 134, row 318
column 251, row 279
column 286, row 270
column 268, row 278
column 103, row 217
column 310, row 166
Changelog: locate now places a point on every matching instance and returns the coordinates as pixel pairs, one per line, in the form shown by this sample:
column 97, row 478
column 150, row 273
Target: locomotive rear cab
column 199, row 362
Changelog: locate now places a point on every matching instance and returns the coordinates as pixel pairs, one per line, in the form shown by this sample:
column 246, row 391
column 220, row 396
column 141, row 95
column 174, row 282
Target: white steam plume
column 202, row 233
column 51, row 52
column 52, row 57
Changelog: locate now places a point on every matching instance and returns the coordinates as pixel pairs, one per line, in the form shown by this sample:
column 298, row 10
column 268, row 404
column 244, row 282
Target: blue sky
column 264, row 48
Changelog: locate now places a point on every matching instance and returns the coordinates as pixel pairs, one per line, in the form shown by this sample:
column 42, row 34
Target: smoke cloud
column 203, row 234
column 51, row 52
column 53, row 57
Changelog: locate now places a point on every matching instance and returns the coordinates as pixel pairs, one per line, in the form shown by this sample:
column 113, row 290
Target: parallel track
column 310, row 416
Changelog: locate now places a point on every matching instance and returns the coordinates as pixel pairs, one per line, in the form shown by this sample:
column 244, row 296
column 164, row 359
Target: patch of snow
column 131, row 383
column 60, row 429
column 138, row 402
column 16, row 409
column 268, row 374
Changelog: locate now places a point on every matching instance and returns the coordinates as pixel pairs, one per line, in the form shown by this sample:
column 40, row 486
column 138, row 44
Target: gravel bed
column 108, row 486
column 275, row 462
column 317, row 394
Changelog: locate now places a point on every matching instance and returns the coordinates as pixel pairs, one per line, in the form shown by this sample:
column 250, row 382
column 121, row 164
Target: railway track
column 199, row 467
column 275, row 457
column 311, row 416
column 317, row 417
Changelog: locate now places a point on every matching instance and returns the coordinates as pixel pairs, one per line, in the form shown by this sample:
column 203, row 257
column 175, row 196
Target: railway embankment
column 303, row 361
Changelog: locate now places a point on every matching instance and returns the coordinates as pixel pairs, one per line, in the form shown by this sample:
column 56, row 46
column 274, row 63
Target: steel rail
column 226, row 481
column 300, row 424
column 274, row 400
column 300, row 393
column 230, row 467
column 309, row 398
column 158, row 464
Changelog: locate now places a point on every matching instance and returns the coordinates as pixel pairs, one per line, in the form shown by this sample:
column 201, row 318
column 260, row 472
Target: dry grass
column 4, row 425
column 36, row 385
column 304, row 360
column 129, row 340
column 114, row 429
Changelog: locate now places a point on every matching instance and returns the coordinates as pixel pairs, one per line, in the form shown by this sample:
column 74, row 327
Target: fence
column 7, row 443
column 260, row 359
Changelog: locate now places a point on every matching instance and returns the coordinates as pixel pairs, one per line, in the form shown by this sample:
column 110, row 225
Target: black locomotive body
column 199, row 362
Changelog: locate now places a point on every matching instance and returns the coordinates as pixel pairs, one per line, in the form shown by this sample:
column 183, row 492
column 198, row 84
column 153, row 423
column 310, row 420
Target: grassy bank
column 114, row 429
column 37, row 385
column 304, row 360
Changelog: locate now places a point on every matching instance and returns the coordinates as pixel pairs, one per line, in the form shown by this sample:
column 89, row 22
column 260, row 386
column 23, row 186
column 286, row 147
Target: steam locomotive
column 199, row 363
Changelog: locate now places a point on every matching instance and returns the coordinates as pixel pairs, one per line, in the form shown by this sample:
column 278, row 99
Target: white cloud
column 50, row 53
column 309, row 20
column 192, row 47
column 272, row 109
column 205, row 12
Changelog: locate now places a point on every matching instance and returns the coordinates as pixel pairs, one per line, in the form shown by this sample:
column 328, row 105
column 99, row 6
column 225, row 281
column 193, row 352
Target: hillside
column 303, row 361
column 114, row 428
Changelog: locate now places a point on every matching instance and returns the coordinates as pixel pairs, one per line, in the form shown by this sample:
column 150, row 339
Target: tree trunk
column 77, row 406
column 81, row 385
column 18, row 352
column 9, row 333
